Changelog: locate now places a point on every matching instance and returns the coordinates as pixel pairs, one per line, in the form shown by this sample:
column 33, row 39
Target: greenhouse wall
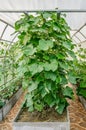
column 83, row 44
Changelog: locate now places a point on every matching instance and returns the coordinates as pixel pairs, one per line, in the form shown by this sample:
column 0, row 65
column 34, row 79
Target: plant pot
column 7, row 107
column 41, row 125
column 83, row 101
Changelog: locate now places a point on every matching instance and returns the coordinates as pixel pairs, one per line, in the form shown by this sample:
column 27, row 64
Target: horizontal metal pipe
column 6, row 22
column 50, row 10
column 6, row 41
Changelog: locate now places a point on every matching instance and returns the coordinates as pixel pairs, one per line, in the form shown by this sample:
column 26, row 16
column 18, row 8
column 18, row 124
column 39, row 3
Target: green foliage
column 8, row 72
column 67, row 92
column 72, row 78
column 45, row 44
column 45, row 47
column 80, row 71
column 7, row 91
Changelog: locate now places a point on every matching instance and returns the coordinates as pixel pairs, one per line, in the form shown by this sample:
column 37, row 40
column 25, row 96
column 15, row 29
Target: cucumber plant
column 7, row 89
column 45, row 60
column 80, row 71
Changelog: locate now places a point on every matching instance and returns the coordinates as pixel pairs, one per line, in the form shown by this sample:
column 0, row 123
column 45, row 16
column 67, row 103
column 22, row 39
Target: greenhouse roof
column 11, row 10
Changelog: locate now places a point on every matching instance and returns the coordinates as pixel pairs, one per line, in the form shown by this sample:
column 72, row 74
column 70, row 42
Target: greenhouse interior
column 42, row 65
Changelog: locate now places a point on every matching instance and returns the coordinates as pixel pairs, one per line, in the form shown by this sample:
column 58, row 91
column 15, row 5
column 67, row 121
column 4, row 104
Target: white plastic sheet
column 75, row 20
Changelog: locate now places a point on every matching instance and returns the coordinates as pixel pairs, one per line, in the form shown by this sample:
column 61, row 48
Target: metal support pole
column 6, row 22
column 50, row 10
column 3, row 31
column 79, row 30
column 58, row 15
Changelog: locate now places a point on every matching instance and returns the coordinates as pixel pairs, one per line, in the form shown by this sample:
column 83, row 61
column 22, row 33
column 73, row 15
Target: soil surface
column 48, row 115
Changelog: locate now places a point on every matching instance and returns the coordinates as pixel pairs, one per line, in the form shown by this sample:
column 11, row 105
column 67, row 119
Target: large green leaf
column 50, row 75
column 71, row 78
column 58, row 79
column 38, row 106
column 25, row 83
column 54, row 65
column 83, row 84
column 32, row 86
column 71, row 54
column 35, row 68
column 64, row 65
column 29, row 50
column 60, row 108
column 67, row 45
column 51, row 66
column 56, row 27
column 42, row 45
column 47, row 66
column 43, row 92
column 49, row 43
column 61, row 105
column 45, row 89
column 24, row 27
column 68, row 92
column 48, row 86
column 29, row 100
column 82, row 92
column 49, row 100
column 45, row 44
column 60, row 56
column 63, row 80
column 46, row 15
column 46, row 57
column 21, row 70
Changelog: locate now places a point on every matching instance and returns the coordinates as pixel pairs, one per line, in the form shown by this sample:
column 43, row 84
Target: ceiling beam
column 48, row 10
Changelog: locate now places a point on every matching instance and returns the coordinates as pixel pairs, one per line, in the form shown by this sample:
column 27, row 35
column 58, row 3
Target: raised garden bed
column 45, row 54
column 45, row 120
column 9, row 104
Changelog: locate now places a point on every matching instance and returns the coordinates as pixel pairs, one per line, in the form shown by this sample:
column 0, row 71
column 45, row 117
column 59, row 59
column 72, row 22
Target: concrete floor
column 77, row 115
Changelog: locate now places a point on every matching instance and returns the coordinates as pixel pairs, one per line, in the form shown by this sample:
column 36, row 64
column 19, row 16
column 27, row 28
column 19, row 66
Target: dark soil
column 49, row 115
